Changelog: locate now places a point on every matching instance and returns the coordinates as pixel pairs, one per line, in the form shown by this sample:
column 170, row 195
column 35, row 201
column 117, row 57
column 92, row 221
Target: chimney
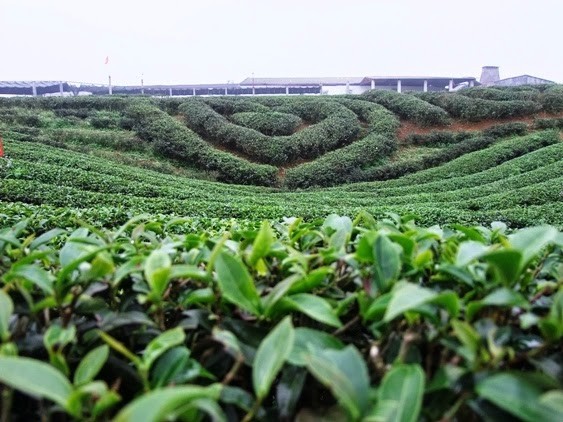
column 489, row 75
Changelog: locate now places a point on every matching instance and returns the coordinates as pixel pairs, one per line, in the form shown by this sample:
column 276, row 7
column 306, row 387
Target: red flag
column 1, row 148
column 107, row 60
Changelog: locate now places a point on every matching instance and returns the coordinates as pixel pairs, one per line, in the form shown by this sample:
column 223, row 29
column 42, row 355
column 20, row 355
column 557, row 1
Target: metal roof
column 303, row 81
column 29, row 84
column 547, row 81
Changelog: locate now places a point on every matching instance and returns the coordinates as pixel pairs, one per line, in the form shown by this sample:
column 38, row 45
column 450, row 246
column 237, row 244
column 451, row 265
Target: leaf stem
column 250, row 415
column 7, row 395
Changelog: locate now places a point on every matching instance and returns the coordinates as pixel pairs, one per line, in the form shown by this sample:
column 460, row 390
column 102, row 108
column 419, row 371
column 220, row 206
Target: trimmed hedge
column 476, row 109
column 549, row 123
column 380, row 120
column 552, row 99
column 337, row 167
column 437, row 138
column 409, row 107
column 172, row 139
column 336, row 129
column 268, row 123
column 501, row 94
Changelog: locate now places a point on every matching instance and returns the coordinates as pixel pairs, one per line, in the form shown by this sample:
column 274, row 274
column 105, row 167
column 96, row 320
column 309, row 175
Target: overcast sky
column 215, row 41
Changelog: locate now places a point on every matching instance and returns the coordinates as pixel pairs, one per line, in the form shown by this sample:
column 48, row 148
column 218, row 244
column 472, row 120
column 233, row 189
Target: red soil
column 408, row 128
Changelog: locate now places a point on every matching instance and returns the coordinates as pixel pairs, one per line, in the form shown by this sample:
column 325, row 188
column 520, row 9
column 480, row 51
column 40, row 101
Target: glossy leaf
column 315, row 307
column 343, row 372
column 271, row 355
column 92, row 363
column 160, row 404
column 158, row 268
column 236, row 284
column 262, row 243
column 387, row 262
column 35, row 378
column 161, row 344
column 6, row 310
column 400, row 395
column 517, row 395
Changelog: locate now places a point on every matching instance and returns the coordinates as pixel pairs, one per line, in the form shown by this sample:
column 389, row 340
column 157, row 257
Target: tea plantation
column 379, row 257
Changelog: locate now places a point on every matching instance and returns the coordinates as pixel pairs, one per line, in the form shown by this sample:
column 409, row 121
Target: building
column 490, row 76
column 354, row 85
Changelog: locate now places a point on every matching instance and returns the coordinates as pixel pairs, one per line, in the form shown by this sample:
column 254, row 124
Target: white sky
column 214, row 41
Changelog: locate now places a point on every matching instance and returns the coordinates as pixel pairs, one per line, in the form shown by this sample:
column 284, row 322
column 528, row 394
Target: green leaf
column 469, row 251
column 262, row 243
column 314, row 279
column 33, row 274
column 506, row 264
column 289, row 390
column 176, row 367
column 387, row 265
column 158, row 405
column 552, row 325
column 345, row 373
column 518, row 395
column 161, row 344
column 120, row 347
column 59, row 336
column 46, row 238
column 35, row 378
column 400, row 395
column 307, row 339
column 6, row 310
column 337, row 223
column 271, row 355
column 531, row 241
column 313, row 306
column 554, row 400
column 158, row 267
column 407, row 297
column 90, row 365
column 500, row 297
column 236, row 284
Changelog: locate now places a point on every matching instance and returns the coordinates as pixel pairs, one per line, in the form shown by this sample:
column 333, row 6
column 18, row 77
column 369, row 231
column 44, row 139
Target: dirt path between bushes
column 409, row 128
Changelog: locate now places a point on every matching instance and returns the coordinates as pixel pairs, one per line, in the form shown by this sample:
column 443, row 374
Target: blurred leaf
column 271, row 355
column 161, row 344
column 158, row 268
column 33, row 274
column 344, row 372
column 35, row 378
column 400, row 395
column 289, row 390
column 531, row 241
column 387, row 263
column 506, row 264
column 90, row 365
column 158, row 405
column 469, row 251
column 500, row 297
column 407, row 297
column 519, row 396
column 262, row 243
column 236, row 284
column 307, row 339
column 313, row 306
column 6, row 310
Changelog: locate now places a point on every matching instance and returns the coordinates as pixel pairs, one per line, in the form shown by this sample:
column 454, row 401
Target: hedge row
column 339, row 128
column 549, row 123
column 409, row 107
column 112, row 103
column 471, row 162
column 172, row 139
column 337, row 167
column 552, row 99
column 500, row 94
column 268, row 123
column 379, row 119
column 476, row 109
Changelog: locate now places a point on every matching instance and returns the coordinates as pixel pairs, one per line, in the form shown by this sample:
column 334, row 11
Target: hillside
column 382, row 257
column 497, row 159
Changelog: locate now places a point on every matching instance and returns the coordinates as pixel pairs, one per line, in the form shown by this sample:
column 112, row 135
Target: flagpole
column 109, row 86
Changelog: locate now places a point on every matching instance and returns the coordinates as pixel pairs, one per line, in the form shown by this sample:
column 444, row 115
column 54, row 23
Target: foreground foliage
column 350, row 320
